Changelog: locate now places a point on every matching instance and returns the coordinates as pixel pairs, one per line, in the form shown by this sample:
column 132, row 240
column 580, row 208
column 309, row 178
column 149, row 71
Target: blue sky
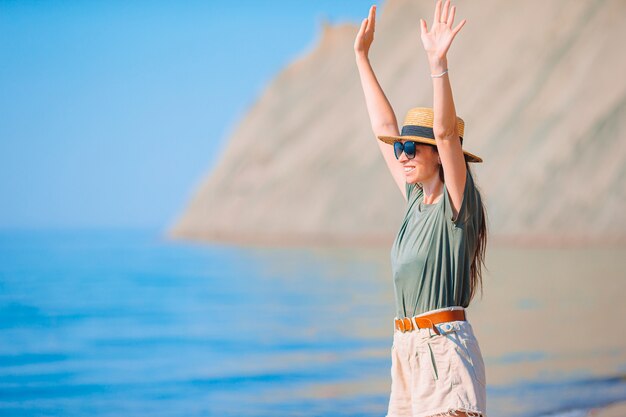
column 111, row 113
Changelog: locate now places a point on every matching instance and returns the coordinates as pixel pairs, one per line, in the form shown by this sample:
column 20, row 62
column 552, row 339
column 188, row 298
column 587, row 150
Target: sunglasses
column 407, row 147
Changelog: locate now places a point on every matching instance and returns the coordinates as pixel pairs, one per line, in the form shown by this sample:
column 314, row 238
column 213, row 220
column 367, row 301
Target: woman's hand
column 438, row 40
column 365, row 36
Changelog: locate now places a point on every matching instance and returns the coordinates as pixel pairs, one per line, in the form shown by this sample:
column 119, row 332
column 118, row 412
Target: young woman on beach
column 437, row 367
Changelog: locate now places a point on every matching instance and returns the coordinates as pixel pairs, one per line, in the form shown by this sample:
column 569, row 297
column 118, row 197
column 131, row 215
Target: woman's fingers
column 437, row 12
column 423, row 26
column 459, row 26
column 363, row 27
column 444, row 12
column 372, row 18
column 360, row 42
column 451, row 16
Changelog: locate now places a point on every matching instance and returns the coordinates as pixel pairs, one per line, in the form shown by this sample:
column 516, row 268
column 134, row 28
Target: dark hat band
column 422, row 131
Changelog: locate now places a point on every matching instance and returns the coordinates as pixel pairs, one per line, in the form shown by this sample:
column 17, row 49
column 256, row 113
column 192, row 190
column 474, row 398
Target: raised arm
column 436, row 43
column 382, row 118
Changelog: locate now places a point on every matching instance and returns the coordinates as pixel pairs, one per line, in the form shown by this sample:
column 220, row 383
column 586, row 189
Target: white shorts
column 437, row 374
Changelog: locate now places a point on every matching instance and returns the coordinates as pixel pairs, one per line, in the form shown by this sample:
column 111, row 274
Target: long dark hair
column 478, row 259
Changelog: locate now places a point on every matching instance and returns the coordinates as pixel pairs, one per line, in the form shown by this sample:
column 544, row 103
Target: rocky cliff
column 540, row 85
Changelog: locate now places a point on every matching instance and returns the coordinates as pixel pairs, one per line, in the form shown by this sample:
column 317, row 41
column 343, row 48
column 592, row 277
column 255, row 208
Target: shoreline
column 616, row 409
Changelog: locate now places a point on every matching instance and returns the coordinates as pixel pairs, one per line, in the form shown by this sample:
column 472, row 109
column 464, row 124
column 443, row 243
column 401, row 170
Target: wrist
column 361, row 56
column 437, row 64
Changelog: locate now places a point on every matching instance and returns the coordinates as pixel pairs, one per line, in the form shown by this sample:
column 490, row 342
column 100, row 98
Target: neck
column 433, row 188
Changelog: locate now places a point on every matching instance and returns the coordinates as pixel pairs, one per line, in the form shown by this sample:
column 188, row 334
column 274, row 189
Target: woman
column 437, row 366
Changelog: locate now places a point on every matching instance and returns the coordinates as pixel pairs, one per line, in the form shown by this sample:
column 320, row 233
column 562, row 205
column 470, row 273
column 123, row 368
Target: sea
column 130, row 323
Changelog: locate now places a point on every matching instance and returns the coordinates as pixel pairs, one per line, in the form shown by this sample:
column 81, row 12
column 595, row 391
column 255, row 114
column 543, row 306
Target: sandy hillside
column 539, row 84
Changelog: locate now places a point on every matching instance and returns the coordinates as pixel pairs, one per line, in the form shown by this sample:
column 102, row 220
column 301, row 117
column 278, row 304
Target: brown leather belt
column 429, row 320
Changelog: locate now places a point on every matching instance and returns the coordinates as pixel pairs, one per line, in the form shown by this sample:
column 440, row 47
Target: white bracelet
column 439, row 75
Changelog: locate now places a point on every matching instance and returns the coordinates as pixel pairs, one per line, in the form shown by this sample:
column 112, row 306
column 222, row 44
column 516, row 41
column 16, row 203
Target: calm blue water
column 97, row 323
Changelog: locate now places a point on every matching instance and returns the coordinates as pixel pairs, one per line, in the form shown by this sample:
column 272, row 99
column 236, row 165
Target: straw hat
column 418, row 126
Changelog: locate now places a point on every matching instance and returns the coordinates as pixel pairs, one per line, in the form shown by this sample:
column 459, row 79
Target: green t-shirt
column 432, row 254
